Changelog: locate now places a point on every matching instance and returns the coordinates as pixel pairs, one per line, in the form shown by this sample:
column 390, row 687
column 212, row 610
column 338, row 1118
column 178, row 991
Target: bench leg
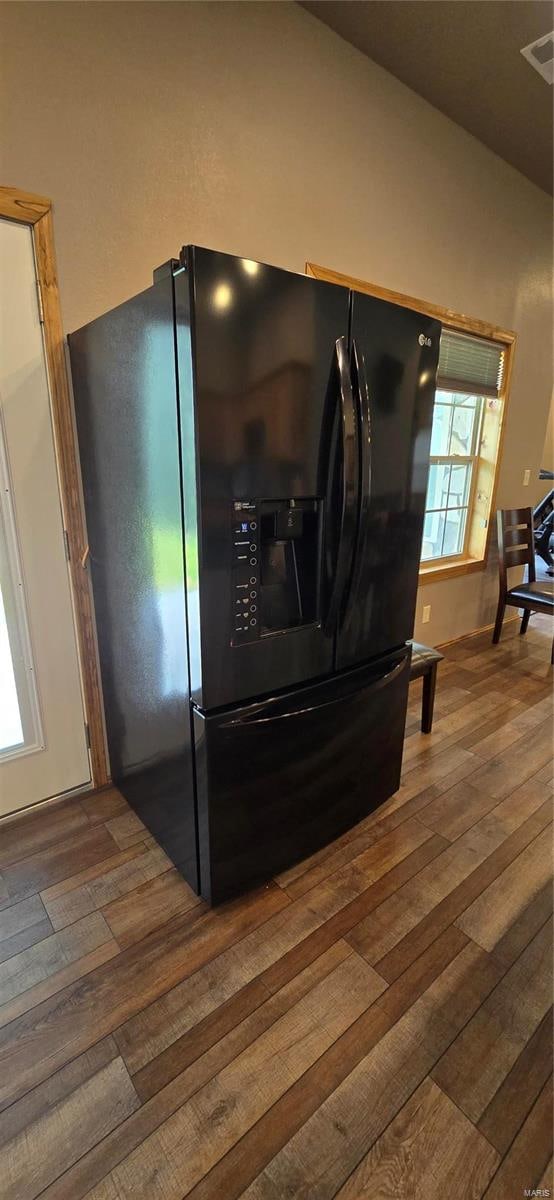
column 499, row 619
column 525, row 620
column 429, row 684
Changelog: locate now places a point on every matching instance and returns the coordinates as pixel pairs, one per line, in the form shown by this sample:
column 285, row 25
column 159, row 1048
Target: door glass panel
column 19, row 712
column 11, row 729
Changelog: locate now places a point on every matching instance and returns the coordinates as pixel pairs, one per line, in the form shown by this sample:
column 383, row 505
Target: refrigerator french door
column 262, row 358
column 393, row 356
column 254, row 449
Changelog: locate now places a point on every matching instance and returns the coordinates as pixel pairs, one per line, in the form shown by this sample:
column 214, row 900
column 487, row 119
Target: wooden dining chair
column 516, row 548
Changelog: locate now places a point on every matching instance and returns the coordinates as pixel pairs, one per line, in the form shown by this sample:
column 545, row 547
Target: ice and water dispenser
column 276, row 557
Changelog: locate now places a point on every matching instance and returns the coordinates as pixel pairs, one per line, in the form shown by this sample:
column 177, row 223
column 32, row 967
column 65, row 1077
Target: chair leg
column 428, row 704
column 499, row 619
column 552, row 655
column 525, row 620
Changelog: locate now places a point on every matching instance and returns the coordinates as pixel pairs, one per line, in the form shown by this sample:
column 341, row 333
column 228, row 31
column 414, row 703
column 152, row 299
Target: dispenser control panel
column 245, row 572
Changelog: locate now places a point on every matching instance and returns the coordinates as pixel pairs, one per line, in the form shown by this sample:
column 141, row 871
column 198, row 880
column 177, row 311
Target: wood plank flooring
column 376, row 1022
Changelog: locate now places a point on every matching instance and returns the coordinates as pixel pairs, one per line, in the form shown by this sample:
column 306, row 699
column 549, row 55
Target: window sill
column 435, row 571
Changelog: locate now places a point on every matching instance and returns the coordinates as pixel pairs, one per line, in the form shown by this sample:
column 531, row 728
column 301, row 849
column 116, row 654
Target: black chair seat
column 532, row 592
column 423, row 659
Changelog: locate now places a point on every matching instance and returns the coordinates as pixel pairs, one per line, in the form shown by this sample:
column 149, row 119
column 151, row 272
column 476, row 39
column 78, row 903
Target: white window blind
column 470, row 364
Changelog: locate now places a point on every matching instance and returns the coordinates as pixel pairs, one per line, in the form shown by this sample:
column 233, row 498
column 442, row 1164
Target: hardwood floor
column 376, row 1022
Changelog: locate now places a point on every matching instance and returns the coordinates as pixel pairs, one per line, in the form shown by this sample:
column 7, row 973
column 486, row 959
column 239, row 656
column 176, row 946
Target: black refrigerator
column 254, row 448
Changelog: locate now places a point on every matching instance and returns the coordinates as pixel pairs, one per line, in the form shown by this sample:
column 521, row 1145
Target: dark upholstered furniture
column 425, row 661
column 516, row 548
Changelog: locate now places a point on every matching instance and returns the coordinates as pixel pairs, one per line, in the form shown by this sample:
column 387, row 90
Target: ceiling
column 463, row 56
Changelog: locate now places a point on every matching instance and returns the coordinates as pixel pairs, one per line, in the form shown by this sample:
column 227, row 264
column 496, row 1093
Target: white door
column 43, row 747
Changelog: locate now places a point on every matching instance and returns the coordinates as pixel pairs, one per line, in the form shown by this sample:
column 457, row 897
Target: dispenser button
column 253, row 621
column 253, row 524
column 253, row 608
column 253, row 579
column 253, row 562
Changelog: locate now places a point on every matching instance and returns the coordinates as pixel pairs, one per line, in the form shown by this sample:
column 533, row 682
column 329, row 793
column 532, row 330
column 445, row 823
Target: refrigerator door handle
column 363, row 407
column 350, row 485
column 361, row 386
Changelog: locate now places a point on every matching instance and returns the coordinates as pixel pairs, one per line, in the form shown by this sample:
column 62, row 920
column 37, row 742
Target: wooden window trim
column 485, row 483
column 36, row 211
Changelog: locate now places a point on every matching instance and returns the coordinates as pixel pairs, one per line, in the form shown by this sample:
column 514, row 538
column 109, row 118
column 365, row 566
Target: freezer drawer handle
column 379, row 682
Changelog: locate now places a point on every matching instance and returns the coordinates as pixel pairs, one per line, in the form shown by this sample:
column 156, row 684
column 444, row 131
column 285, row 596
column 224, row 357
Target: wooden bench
column 425, row 661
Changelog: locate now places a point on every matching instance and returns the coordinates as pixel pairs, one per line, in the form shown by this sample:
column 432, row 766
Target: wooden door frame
column 36, row 212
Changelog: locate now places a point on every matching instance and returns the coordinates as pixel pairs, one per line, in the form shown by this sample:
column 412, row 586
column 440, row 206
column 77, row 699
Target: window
column 454, row 441
column 466, row 425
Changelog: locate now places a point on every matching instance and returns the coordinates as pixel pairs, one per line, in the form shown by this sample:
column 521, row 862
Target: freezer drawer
column 276, row 780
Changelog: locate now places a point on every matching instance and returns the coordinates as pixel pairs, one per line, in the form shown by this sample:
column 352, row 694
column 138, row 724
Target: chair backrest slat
column 516, row 537
column 517, row 558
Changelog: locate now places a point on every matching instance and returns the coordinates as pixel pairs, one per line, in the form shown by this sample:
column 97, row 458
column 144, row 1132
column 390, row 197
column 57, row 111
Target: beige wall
column 254, row 129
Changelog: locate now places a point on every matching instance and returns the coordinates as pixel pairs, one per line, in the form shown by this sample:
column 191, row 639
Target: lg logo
column 424, row 341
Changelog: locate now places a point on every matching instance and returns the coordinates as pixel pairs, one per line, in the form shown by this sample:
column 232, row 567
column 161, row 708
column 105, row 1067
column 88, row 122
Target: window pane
column 454, row 531
column 432, row 535
column 461, row 437
column 459, row 485
column 440, row 436
column 437, row 489
column 464, row 400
